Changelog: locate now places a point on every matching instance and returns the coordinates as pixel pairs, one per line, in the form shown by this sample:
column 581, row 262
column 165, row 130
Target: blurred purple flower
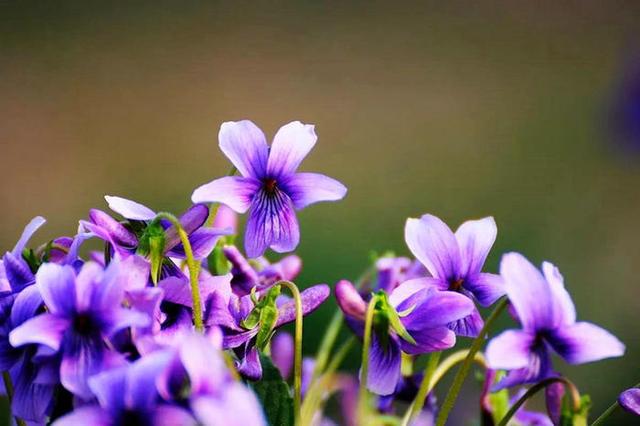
column 393, row 271
column 269, row 187
column 455, row 262
column 226, row 218
column 624, row 111
column 282, row 351
column 630, row 400
column 548, row 318
column 83, row 312
column 423, row 311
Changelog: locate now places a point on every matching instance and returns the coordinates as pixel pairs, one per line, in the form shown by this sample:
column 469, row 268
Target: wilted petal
column 233, row 191
column 350, row 300
column 585, row 342
column 291, row 144
column 434, row 244
column 245, row 145
column 129, row 209
column 475, row 239
column 86, row 415
column 510, row 350
column 429, row 340
column 486, row 288
column 384, row 366
column 308, row 188
column 272, row 223
column 311, row 299
column 45, row 329
column 630, row 400
column 282, row 352
column 468, row 326
column 564, row 311
column 57, row 288
column 28, row 232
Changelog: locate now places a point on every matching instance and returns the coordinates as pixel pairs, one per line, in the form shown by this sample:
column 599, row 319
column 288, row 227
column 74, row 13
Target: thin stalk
column 451, row 361
column 297, row 363
column 608, row 411
column 363, row 394
column 458, row 380
column 8, row 386
column 194, row 269
column 425, row 386
column 573, row 391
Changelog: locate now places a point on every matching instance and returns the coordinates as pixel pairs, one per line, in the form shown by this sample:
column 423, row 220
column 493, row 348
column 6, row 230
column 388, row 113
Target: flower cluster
column 171, row 324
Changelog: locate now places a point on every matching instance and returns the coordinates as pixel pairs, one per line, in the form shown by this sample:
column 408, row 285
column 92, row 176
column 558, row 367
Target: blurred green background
column 461, row 109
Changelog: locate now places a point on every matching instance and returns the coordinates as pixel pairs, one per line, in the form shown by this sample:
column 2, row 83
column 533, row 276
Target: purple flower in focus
column 548, row 318
column 83, row 312
column 423, row 312
column 630, row 400
column 455, row 262
column 269, row 187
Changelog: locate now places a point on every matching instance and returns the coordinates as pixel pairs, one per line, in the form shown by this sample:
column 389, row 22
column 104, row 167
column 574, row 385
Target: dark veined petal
column 291, row 144
column 630, row 400
column 468, row 326
column 245, row 145
column 433, row 243
column 384, row 366
column 129, row 209
column 312, row 298
column 485, row 287
column 233, row 191
column 272, row 223
column 309, row 188
column 585, row 342
column 510, row 350
column 475, row 239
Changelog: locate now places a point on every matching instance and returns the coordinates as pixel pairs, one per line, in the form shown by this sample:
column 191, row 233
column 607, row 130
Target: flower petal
column 129, row 209
column 475, row 239
column 172, row 415
column 486, row 288
column 312, row 297
column 191, row 220
column 57, row 288
column 203, row 363
column 282, row 352
column 249, row 365
column 203, row 241
column 404, row 291
column 45, row 329
column 432, row 243
column 429, row 340
column 17, row 272
column 630, row 400
column 563, row 308
column 309, row 188
column 223, row 410
column 272, row 223
column 468, row 326
column 538, row 368
column 245, row 145
column 384, row 366
column 26, row 305
column 291, row 144
column 349, row 300
column 438, row 309
column 233, row 191
column 87, row 415
column 28, row 232
column 510, row 350
column 112, row 228
column 585, row 342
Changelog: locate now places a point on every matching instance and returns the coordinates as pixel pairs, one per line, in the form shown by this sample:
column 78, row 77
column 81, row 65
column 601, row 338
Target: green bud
column 152, row 245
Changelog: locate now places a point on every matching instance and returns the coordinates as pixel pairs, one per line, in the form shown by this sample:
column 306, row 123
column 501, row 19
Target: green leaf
column 383, row 307
column 274, row 395
column 217, row 261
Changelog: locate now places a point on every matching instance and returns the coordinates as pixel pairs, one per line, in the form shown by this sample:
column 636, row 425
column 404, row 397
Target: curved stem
column 194, row 269
column 425, row 386
column 363, row 394
column 458, row 380
column 452, row 360
column 609, row 411
column 8, row 386
column 573, row 391
column 297, row 363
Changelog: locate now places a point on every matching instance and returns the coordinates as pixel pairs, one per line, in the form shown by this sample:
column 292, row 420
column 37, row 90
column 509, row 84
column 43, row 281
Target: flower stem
column 573, row 391
column 363, row 394
column 8, row 386
column 458, row 380
column 297, row 363
column 451, row 361
column 194, row 269
column 608, row 411
column 425, row 387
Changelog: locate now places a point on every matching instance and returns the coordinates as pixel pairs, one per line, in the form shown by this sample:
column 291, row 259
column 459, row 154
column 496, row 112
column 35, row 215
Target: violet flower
column 630, row 400
column 83, row 312
column 548, row 318
column 15, row 272
column 269, row 187
column 423, row 313
column 455, row 262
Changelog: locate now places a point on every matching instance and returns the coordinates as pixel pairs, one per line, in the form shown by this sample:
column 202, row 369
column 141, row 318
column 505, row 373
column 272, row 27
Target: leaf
column 274, row 395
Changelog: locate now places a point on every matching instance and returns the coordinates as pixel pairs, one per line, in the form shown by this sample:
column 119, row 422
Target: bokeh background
column 463, row 109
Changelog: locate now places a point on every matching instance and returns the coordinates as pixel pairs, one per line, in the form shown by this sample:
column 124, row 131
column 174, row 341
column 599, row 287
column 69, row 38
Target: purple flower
column 83, row 312
column 15, row 272
column 126, row 396
column 423, row 313
column 455, row 262
column 393, row 271
column 630, row 400
column 548, row 318
column 269, row 187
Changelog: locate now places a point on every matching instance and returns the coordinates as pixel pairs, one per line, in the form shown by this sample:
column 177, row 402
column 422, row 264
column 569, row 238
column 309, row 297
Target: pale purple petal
column 177, row 290
column 203, row 363
column 282, row 352
column 121, row 318
column 245, row 145
column 110, row 387
column 384, row 366
column 510, row 350
column 309, row 188
column 485, row 287
column 434, row 244
column 172, row 415
column 97, row 289
column 45, row 329
column 114, row 229
column 223, row 410
column 585, row 342
column 563, row 307
column 142, row 377
column 525, row 417
column 233, row 191
column 57, row 288
column 133, row 273
column 28, row 232
column 86, row 415
column 226, row 218
column 25, row 306
column 349, row 300
column 437, row 309
column 630, row 400
column 291, row 144
column 408, row 288
column 272, row 223
column 429, row 340
column 468, row 326
column 475, row 239
column 236, row 340
column 129, row 209
column 312, row 298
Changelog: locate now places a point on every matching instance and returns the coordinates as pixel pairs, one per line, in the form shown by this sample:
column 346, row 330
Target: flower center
column 83, row 324
column 456, row 285
column 270, row 185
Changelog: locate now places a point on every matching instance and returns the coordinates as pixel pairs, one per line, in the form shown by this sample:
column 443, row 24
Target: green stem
column 297, row 363
column 451, row 361
column 194, row 269
column 363, row 394
column 425, row 387
column 458, row 380
column 8, row 386
column 609, row 411
column 575, row 396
